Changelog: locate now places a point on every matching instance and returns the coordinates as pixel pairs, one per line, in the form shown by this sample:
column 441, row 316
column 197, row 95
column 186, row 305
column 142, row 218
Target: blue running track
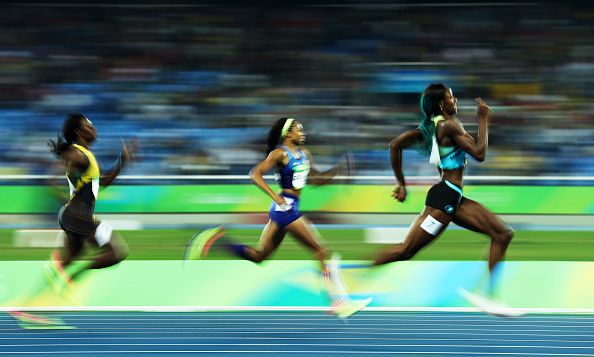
column 303, row 334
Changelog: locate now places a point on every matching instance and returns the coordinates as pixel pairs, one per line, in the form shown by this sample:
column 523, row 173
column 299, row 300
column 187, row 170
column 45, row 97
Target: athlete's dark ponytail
column 66, row 138
column 274, row 134
column 430, row 107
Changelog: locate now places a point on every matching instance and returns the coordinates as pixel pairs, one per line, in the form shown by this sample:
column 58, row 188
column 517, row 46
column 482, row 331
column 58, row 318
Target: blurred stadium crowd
column 200, row 85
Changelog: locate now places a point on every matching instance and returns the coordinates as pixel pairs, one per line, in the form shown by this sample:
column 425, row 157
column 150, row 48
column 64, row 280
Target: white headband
column 286, row 127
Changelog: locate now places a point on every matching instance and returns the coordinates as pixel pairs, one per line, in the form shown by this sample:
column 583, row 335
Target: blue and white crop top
column 446, row 157
column 294, row 174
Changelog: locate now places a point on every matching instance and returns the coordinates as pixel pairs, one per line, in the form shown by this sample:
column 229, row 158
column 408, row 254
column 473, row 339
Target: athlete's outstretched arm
column 477, row 149
column 126, row 155
column 276, row 157
column 402, row 141
column 319, row 178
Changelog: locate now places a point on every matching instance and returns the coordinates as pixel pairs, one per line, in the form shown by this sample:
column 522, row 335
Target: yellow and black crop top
column 84, row 185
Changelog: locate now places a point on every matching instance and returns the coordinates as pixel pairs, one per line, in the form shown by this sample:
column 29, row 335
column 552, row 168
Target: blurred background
column 200, row 84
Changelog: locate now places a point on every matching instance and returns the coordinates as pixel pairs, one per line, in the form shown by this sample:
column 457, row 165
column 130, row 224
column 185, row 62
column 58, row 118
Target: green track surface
column 350, row 243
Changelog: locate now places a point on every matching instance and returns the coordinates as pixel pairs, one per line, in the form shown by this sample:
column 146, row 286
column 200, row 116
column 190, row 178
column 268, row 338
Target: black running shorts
column 445, row 196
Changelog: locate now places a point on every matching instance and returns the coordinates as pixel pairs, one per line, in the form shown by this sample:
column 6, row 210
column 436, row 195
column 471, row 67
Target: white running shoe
column 343, row 305
column 489, row 306
column 350, row 307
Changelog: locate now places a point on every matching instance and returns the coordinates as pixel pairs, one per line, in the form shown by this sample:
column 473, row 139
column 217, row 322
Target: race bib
column 300, row 173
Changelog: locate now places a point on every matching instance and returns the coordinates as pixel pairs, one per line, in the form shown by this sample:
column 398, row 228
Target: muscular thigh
column 476, row 217
column 271, row 237
column 302, row 229
column 426, row 227
column 74, row 243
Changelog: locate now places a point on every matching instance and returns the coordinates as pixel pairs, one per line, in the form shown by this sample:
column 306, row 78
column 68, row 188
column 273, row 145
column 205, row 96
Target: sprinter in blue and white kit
column 293, row 166
column 292, row 178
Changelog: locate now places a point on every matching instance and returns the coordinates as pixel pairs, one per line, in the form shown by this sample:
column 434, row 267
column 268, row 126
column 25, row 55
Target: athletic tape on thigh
column 431, row 225
column 103, row 234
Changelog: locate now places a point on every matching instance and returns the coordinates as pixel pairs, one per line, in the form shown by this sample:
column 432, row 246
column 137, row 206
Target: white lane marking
column 432, row 353
column 331, row 324
column 170, row 338
column 291, row 345
column 219, row 309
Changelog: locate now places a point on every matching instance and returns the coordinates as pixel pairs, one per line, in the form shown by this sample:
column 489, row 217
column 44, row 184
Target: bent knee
column 505, row 237
column 258, row 256
column 119, row 250
column 509, row 234
column 258, row 259
column 322, row 253
column 407, row 253
column 122, row 253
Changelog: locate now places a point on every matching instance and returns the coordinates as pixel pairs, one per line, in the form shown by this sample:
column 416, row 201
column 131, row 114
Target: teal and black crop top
column 450, row 157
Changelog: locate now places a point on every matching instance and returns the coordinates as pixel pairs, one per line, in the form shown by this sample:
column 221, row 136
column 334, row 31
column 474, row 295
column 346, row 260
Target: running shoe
column 199, row 246
column 55, row 275
column 350, row 307
column 489, row 306
column 29, row 320
column 343, row 305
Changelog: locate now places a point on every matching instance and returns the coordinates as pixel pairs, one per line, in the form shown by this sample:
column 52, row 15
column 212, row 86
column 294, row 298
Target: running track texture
column 303, row 334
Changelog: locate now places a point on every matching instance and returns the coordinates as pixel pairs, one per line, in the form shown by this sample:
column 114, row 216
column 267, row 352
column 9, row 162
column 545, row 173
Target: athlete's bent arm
column 477, row 149
column 319, row 178
column 402, row 141
column 126, row 155
column 275, row 157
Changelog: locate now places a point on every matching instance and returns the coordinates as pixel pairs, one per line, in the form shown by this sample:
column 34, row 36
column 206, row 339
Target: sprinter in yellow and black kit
column 76, row 216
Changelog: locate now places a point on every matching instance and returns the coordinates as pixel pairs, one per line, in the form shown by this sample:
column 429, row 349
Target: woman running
column 447, row 143
column 293, row 165
column 76, row 217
